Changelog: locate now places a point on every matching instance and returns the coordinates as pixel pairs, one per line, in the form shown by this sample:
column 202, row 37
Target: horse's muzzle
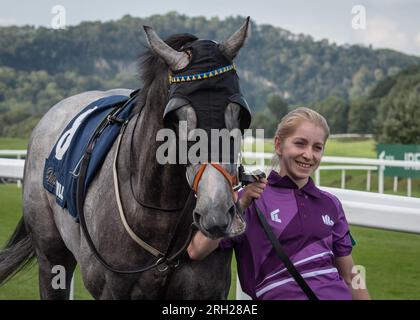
column 232, row 224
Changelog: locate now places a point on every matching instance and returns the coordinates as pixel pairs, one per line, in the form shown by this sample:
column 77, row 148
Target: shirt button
column 306, row 197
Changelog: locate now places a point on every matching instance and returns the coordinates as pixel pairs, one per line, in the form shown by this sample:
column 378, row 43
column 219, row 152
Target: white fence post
column 318, row 177
column 368, row 180
column 381, row 179
column 408, row 187
column 343, row 179
column 395, row 186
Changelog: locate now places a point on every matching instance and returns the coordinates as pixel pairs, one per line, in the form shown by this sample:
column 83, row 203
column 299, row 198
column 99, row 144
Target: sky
column 391, row 24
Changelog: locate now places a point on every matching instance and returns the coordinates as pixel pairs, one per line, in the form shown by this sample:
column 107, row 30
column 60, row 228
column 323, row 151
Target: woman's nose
column 307, row 154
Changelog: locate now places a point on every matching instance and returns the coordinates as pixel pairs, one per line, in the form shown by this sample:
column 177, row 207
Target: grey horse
column 152, row 196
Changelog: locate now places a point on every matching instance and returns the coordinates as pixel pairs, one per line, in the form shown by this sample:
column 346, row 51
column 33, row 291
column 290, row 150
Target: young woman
column 309, row 223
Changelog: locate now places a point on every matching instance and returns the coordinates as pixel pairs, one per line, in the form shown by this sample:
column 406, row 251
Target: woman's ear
column 277, row 145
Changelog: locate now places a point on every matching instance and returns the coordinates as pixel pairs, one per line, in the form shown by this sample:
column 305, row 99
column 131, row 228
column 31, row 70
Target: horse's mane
column 151, row 65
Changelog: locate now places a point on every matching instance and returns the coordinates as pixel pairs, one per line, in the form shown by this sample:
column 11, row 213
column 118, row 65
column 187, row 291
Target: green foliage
column 335, row 111
column 373, row 251
column 399, row 109
column 268, row 120
column 402, row 119
column 362, row 116
column 277, row 106
column 40, row 66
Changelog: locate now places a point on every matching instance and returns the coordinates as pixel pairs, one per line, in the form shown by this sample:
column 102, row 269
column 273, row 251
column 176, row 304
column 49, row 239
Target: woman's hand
column 252, row 191
column 201, row 246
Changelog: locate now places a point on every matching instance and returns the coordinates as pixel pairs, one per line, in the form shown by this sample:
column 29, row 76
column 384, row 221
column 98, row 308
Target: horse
column 117, row 258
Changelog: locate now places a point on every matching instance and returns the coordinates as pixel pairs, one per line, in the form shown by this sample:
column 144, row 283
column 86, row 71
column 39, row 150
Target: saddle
column 100, row 120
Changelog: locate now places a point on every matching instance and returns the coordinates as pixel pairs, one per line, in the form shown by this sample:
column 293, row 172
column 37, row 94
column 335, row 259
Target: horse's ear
column 231, row 46
column 174, row 59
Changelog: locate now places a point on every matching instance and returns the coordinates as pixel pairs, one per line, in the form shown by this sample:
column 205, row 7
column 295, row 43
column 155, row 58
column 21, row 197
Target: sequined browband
column 200, row 76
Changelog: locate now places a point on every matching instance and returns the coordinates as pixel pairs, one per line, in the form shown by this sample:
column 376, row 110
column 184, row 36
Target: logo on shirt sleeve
column 327, row 220
column 275, row 216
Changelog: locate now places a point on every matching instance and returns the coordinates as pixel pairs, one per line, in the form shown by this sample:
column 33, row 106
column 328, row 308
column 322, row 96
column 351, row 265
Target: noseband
column 232, row 180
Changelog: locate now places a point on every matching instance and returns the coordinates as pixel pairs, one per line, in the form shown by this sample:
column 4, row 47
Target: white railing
column 362, row 208
column 11, row 168
column 344, row 169
column 257, row 160
column 14, row 153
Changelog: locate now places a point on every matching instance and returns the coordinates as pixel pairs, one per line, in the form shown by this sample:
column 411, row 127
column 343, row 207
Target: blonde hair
column 289, row 123
column 294, row 118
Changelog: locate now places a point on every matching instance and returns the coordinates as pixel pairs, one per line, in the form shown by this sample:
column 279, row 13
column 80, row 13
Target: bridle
column 232, row 179
column 164, row 261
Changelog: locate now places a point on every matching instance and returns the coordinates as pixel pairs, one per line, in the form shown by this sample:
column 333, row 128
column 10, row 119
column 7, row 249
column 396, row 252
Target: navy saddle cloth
column 63, row 164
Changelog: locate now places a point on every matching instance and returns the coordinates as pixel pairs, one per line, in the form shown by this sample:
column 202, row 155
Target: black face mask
column 209, row 83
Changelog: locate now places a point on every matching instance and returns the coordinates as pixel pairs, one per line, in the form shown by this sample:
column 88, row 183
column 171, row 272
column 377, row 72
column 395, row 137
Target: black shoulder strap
column 283, row 256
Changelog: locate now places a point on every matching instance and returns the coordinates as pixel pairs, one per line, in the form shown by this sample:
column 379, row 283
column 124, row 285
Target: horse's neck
column 159, row 185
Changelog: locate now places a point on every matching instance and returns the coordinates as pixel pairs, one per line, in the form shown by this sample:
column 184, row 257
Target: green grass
column 391, row 259
column 25, row 284
column 13, row 143
column 338, row 148
column 350, row 148
column 377, row 250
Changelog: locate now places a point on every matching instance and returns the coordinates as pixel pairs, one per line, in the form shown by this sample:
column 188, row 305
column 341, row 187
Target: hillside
column 40, row 66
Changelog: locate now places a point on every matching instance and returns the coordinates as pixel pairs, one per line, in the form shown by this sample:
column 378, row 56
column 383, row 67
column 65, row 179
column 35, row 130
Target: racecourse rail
column 367, row 209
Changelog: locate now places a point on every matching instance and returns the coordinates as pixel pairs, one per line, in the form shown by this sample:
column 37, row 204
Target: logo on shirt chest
column 327, row 220
column 275, row 216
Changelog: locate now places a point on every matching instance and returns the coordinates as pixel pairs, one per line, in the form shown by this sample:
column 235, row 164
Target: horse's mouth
column 235, row 227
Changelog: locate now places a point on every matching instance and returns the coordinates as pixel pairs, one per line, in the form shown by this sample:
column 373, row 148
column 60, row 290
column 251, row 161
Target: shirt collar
column 277, row 180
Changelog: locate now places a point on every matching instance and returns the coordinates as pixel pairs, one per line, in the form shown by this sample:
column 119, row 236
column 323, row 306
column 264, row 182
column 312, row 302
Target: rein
column 163, row 260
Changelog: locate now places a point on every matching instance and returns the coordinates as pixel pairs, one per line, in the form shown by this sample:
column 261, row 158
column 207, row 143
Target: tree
column 335, row 111
column 275, row 109
column 362, row 116
column 277, row 106
column 401, row 124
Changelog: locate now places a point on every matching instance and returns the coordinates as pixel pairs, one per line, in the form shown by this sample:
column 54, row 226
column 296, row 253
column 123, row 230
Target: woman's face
column 301, row 153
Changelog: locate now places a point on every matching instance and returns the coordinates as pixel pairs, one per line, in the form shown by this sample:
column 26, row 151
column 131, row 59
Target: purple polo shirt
column 312, row 229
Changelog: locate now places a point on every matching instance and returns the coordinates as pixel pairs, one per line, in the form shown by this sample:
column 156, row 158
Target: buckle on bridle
column 162, row 264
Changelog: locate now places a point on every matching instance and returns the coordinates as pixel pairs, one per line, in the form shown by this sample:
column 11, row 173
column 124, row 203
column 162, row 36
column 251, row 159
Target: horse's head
column 204, row 94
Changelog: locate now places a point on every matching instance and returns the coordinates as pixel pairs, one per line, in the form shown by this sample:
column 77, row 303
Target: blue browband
column 200, row 76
